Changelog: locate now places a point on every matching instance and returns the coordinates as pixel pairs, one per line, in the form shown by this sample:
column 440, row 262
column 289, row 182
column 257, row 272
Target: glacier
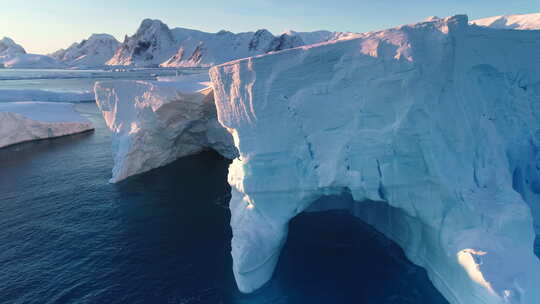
column 156, row 122
column 431, row 130
column 27, row 121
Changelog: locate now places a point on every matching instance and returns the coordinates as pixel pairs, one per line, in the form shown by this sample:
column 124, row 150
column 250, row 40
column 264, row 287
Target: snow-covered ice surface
column 187, row 83
column 437, row 123
column 26, row 121
column 515, row 22
column 154, row 123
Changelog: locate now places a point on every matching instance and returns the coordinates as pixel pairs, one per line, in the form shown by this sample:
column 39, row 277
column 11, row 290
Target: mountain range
column 155, row 44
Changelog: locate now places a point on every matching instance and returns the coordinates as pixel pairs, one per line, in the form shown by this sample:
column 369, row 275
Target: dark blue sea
column 68, row 236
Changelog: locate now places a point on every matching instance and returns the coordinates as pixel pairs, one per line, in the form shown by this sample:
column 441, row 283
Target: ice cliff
column 26, row 121
column 154, row 123
column 437, row 122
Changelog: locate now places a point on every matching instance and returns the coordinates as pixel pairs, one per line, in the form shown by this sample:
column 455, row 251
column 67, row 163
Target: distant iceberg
column 27, row 121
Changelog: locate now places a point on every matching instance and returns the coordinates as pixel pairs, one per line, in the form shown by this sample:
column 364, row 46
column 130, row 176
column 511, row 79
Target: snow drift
column 154, row 123
column 26, row 121
column 438, row 121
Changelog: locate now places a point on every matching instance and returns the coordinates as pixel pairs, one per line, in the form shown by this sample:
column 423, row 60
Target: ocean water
column 68, row 236
column 75, row 80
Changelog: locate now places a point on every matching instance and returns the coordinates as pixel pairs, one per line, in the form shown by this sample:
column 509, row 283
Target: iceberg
column 154, row 123
column 431, row 130
column 26, row 121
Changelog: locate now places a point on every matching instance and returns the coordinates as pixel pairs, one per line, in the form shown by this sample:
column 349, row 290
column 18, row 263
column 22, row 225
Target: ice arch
column 425, row 118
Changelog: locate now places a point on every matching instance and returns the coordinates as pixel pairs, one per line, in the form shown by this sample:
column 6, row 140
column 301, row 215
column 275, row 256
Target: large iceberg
column 438, row 123
column 156, row 122
column 26, row 121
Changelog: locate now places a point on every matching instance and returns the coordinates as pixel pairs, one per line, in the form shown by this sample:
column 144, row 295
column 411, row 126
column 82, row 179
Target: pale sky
column 43, row 26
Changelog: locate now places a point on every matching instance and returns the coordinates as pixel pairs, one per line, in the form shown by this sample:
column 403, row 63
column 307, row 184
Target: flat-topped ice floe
column 156, row 122
column 439, row 122
column 26, row 121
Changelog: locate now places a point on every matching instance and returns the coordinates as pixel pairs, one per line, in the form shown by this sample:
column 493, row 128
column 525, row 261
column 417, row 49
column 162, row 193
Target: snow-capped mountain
column 320, row 36
column 152, row 44
column 13, row 55
column 516, row 22
column 155, row 44
column 9, row 48
column 92, row 52
column 285, row 41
